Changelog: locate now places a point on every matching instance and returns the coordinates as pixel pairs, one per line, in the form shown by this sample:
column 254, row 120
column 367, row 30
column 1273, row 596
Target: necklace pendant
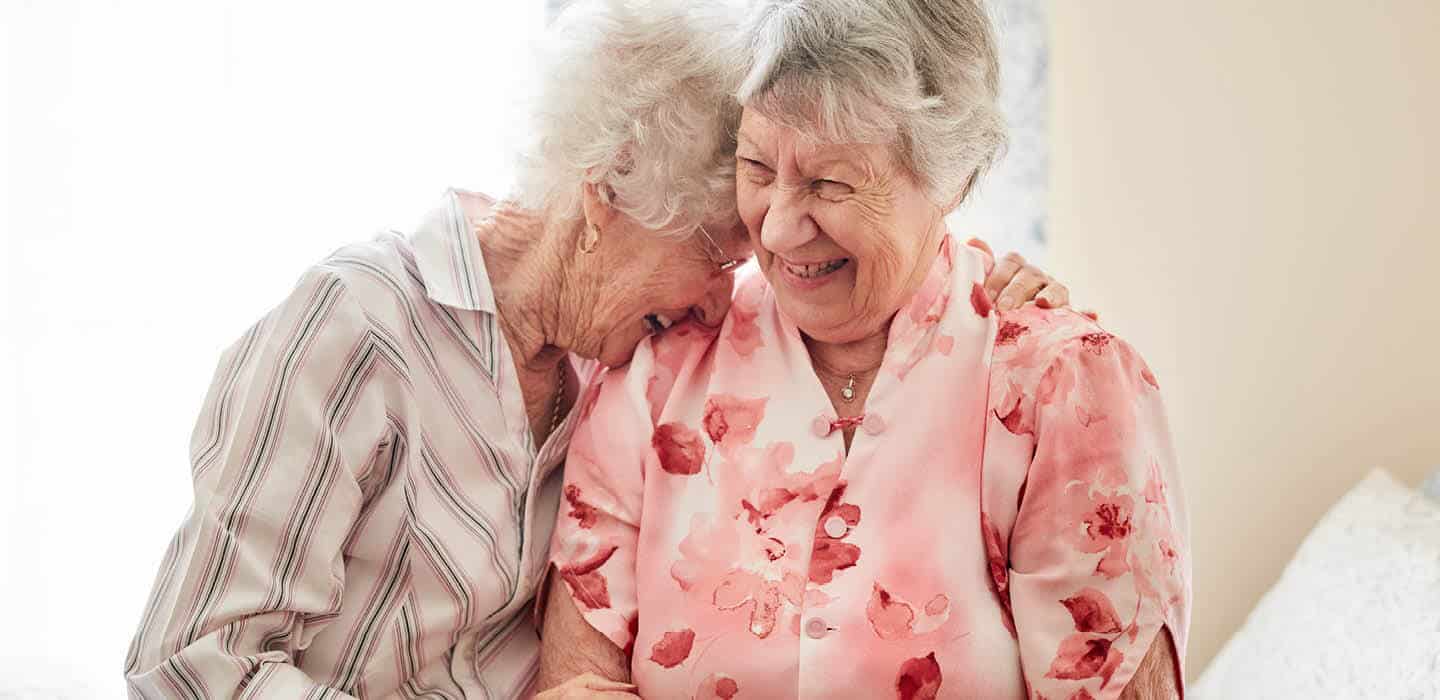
column 848, row 393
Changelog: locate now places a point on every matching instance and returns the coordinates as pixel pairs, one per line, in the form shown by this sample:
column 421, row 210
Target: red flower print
column 1093, row 612
column 741, row 588
column 1083, row 656
column 1014, row 418
column 1104, row 525
column 999, row 562
column 736, row 568
column 1008, row 407
column 1096, row 342
column 1010, row 332
column 919, row 679
column 980, row 300
column 1111, row 519
column 717, row 686
column 731, row 421
column 768, row 503
column 673, row 648
column 1055, row 385
column 580, row 510
column 1082, row 694
column 587, row 584
column 679, row 448
column 890, row 619
column 831, row 556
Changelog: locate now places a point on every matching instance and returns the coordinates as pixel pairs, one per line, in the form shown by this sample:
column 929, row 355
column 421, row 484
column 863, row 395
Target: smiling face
column 844, row 233
column 638, row 282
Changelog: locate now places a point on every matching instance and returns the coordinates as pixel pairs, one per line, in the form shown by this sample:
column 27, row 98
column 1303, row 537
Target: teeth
column 816, row 270
column 664, row 320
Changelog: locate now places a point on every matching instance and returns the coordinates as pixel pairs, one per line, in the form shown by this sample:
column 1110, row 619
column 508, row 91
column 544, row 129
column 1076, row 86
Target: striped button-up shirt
column 371, row 513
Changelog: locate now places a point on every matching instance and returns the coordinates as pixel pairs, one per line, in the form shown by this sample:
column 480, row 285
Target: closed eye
column 752, row 163
column 832, row 188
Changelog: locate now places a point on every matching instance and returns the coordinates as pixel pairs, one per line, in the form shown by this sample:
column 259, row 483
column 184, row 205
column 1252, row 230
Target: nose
column 711, row 310
column 787, row 224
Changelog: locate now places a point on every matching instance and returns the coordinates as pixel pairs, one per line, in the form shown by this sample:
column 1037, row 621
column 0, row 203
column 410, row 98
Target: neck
column 855, row 358
column 528, row 275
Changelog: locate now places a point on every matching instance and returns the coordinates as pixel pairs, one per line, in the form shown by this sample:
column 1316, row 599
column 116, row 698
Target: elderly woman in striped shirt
column 376, row 465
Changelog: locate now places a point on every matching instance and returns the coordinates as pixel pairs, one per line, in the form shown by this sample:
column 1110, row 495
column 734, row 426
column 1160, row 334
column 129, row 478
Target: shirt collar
column 448, row 255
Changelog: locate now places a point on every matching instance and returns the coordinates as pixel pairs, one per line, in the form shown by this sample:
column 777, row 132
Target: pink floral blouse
column 1007, row 524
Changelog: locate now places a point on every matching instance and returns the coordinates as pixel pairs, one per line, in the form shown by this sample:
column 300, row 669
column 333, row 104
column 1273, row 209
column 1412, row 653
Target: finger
column 1026, row 284
column 1053, row 296
column 1092, row 315
column 1004, row 271
column 983, row 247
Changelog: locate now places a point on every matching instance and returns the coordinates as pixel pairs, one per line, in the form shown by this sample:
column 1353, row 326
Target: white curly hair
column 923, row 75
column 638, row 97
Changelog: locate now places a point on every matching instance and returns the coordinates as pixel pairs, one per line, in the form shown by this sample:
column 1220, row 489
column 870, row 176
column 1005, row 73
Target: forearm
column 1156, row 677
column 571, row 647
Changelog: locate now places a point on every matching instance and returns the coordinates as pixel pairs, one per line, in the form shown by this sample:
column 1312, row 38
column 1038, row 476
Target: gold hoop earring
column 589, row 239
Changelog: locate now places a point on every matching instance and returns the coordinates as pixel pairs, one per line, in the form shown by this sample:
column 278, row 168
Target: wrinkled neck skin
column 529, row 268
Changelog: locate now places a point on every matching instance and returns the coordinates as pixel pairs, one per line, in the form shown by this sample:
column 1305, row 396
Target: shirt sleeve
column 597, row 530
column 256, row 571
column 1098, row 555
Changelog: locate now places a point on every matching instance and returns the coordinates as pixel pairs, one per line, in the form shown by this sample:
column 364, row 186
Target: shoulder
column 1042, row 357
column 349, row 292
column 384, row 262
column 1030, row 340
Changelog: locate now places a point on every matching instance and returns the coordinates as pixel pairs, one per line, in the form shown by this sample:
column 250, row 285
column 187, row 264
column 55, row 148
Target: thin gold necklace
column 847, row 392
column 559, row 399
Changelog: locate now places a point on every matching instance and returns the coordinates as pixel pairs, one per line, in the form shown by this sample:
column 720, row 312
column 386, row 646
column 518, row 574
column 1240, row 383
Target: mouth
column 656, row 323
column 814, row 274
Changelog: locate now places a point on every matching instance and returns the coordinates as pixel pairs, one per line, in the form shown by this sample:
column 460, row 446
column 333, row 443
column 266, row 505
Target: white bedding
column 1356, row 613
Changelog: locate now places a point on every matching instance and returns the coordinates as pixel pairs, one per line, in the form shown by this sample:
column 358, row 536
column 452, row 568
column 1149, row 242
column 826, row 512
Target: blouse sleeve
column 1098, row 555
column 598, row 527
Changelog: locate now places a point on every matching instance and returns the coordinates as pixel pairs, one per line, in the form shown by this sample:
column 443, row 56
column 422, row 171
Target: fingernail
column 1042, row 302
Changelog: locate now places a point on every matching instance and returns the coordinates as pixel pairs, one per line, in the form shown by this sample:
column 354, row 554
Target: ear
column 599, row 204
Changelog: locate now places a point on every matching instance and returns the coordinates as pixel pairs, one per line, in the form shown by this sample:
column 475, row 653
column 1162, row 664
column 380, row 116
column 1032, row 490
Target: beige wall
column 1250, row 192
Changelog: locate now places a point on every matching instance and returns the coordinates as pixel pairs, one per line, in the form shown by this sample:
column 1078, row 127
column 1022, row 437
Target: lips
column 810, row 271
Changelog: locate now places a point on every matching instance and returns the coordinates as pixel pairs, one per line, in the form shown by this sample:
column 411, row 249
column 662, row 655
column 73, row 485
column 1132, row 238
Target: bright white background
column 170, row 170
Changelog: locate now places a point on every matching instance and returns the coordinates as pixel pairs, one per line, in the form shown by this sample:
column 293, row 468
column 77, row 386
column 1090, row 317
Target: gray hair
column 638, row 97
column 923, row 75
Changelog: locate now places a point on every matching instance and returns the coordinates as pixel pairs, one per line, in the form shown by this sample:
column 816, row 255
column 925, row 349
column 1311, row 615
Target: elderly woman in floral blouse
column 870, row 482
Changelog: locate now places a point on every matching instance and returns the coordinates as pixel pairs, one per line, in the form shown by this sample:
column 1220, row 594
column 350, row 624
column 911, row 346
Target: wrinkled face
column 639, row 282
column 844, row 233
